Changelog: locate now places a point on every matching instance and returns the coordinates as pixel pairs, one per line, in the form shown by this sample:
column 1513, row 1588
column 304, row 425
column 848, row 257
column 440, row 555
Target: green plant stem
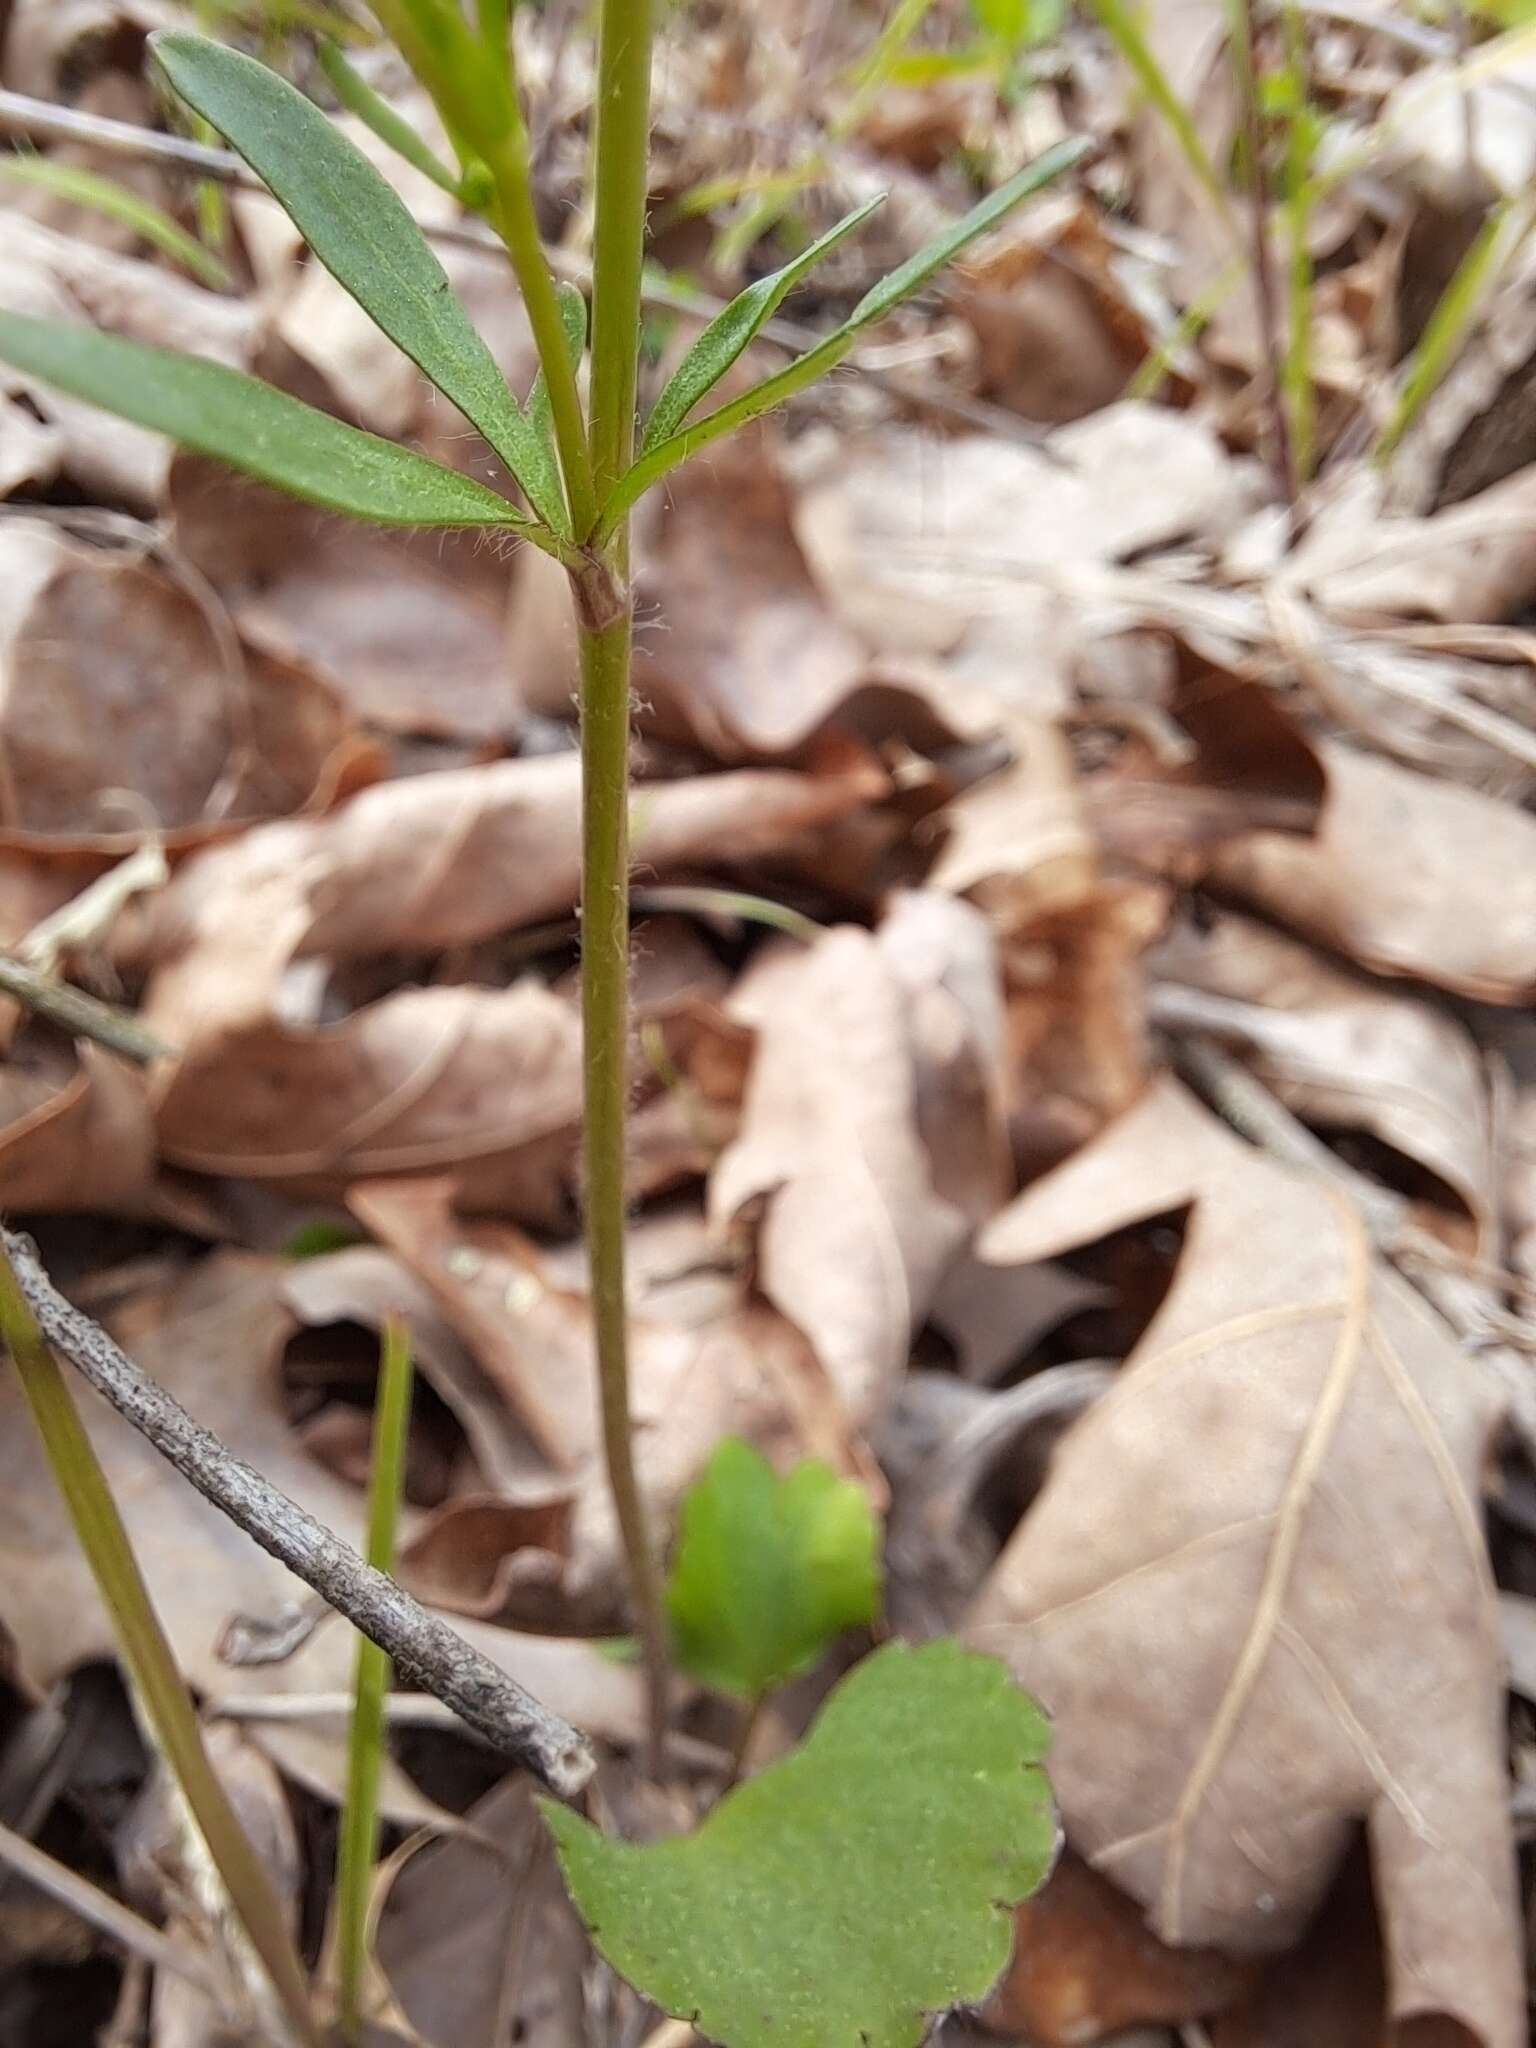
column 146, row 1653
column 619, row 183
column 515, row 221
column 358, row 1847
column 746, row 1728
column 1244, row 58
column 605, row 1037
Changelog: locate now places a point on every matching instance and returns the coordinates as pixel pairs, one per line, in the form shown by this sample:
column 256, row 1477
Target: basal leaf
column 360, row 230
column 573, row 318
column 768, row 1571
column 840, row 1897
column 730, row 332
column 252, row 427
column 875, row 304
column 392, row 129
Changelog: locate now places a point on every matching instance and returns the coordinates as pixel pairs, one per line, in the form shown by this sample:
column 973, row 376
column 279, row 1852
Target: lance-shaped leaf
column 730, row 332
column 840, row 1897
column 252, row 427
column 361, row 231
column 875, row 304
column 573, row 320
column 393, row 130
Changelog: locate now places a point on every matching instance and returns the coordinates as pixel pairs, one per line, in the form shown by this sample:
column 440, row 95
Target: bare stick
column 82, row 1016
column 425, row 1649
column 1265, row 298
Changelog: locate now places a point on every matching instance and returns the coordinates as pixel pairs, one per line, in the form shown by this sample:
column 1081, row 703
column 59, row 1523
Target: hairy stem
column 605, row 1038
column 619, row 180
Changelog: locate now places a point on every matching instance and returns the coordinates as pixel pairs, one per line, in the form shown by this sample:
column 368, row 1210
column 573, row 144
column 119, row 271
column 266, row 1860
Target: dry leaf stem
column 423, row 1647
column 1266, row 299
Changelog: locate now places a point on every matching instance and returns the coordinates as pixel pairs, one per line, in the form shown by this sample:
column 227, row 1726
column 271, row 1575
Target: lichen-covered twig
column 426, row 1651
column 81, row 1015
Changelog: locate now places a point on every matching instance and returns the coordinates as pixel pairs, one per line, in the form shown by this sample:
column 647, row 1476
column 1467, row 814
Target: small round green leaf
column 843, row 1896
column 768, row 1571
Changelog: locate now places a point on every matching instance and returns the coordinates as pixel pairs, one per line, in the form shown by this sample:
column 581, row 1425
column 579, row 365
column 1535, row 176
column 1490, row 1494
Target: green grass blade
column 827, row 354
column 1496, row 242
column 732, row 331
column 254, row 428
column 357, row 1849
column 359, row 228
column 359, row 98
column 1124, row 31
column 146, row 1654
column 105, row 196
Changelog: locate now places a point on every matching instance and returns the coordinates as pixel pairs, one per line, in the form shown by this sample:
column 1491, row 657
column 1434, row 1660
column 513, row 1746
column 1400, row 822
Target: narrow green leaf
column 105, row 196
column 358, row 1845
column 840, row 1897
column 252, row 427
column 1124, row 31
column 396, row 133
column 827, row 354
column 730, row 332
column 360, row 230
column 768, row 1572
column 573, row 319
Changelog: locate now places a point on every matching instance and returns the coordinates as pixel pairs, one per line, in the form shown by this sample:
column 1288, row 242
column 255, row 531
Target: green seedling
column 920, row 1784
column 768, row 1573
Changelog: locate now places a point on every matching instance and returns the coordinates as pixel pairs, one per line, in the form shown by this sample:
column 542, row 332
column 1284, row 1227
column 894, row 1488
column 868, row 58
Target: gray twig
column 426, row 1651
column 81, row 1015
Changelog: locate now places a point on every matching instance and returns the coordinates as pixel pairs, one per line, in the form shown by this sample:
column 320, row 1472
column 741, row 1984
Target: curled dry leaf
column 127, row 701
column 852, row 1235
column 443, row 860
column 1254, row 1592
column 1384, row 878
column 484, row 1079
column 1470, row 563
column 1344, row 1053
column 75, row 1133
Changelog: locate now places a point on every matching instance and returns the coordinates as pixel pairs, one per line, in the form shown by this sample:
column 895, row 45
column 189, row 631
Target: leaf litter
column 1006, row 751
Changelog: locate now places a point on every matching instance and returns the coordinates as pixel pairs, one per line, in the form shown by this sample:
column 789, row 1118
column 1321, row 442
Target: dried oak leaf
column 1386, row 877
column 484, row 1079
column 75, row 1133
column 1344, row 1053
column 851, row 1234
column 1254, row 1592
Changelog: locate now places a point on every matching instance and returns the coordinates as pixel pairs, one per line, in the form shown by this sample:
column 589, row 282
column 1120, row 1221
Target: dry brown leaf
column 75, row 1133
column 1328, row 1992
column 442, row 860
column 487, row 1079
column 1342, row 1053
column 705, row 1363
column 64, row 278
column 952, row 550
column 1254, row 1593
column 406, row 628
column 341, row 1294
column 853, row 1236
column 126, row 699
column 1056, row 335
column 1471, row 563
column 1386, row 876
column 1085, row 1965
